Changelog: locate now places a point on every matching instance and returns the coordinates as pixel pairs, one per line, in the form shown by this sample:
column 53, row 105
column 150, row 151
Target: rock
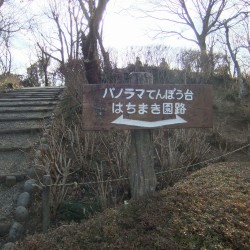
column 29, row 186
column 45, row 135
column 10, row 181
column 44, row 147
column 16, row 231
column 23, row 199
column 38, row 154
column 4, row 228
column 2, row 179
column 8, row 245
column 3, row 218
column 44, row 140
column 20, row 177
column 21, row 214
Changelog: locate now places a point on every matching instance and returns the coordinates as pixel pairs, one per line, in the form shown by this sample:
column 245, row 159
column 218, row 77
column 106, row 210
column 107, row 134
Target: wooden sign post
column 141, row 107
column 141, row 162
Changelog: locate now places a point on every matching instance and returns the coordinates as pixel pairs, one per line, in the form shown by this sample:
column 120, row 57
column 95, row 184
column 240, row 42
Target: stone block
column 10, row 181
column 20, row 177
column 16, row 231
column 4, row 228
column 2, row 179
column 44, row 147
column 21, row 214
column 44, row 140
column 23, row 199
column 29, row 186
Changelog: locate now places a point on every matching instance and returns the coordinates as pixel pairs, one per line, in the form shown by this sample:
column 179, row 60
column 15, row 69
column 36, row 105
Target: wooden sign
column 126, row 106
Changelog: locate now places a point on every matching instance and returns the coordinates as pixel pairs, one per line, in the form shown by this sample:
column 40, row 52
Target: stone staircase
column 23, row 114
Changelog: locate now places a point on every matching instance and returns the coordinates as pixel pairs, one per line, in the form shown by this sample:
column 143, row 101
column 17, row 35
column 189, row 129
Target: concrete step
column 24, row 116
column 9, row 142
column 25, row 113
column 26, row 95
column 27, row 92
column 39, row 89
column 33, row 130
column 25, row 124
column 27, row 99
column 14, row 162
column 28, row 103
column 28, row 109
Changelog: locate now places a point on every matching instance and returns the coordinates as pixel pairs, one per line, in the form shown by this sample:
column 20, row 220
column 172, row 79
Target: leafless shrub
column 89, row 158
column 104, row 188
column 74, row 74
column 56, row 163
column 96, row 159
column 177, row 149
column 102, row 156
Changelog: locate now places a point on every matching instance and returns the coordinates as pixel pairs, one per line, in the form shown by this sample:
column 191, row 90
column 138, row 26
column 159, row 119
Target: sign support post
column 141, row 163
column 142, row 106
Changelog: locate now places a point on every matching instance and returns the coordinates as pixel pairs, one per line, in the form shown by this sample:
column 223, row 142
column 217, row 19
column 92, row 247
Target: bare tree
column 245, row 39
column 62, row 40
column 5, row 52
column 202, row 17
column 11, row 21
column 236, row 45
column 43, row 63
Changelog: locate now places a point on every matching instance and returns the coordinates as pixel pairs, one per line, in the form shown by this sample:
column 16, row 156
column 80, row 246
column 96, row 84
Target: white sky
column 121, row 30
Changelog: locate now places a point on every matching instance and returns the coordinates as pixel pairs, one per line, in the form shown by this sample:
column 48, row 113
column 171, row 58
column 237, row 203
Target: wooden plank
column 133, row 106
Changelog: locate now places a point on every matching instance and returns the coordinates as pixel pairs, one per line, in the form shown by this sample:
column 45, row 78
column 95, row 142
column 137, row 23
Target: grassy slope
column 208, row 210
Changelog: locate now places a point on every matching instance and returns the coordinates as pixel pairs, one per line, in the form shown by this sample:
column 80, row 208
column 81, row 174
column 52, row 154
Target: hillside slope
column 210, row 209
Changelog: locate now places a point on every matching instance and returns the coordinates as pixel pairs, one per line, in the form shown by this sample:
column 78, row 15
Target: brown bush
column 208, row 210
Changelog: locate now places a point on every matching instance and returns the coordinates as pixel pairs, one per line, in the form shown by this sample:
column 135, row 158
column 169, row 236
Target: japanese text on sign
column 154, row 109
column 154, row 94
column 168, row 108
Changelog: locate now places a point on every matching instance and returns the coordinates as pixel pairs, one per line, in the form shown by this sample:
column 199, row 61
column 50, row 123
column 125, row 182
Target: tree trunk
column 205, row 65
column 89, row 41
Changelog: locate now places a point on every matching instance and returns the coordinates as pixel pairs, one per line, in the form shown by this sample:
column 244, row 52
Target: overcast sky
column 121, row 29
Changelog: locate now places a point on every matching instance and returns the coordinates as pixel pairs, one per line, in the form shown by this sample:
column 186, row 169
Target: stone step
column 10, row 142
column 21, row 114
column 28, row 103
column 24, row 95
column 15, row 161
column 39, row 89
column 13, row 116
column 27, row 99
column 25, row 124
column 36, row 90
column 32, row 130
column 26, row 92
column 28, row 109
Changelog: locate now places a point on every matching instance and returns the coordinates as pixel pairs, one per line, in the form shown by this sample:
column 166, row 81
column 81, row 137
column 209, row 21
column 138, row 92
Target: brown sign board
column 126, row 106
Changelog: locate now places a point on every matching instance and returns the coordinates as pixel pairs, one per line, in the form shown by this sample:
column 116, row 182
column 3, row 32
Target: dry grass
column 94, row 159
column 207, row 210
column 177, row 149
column 9, row 82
